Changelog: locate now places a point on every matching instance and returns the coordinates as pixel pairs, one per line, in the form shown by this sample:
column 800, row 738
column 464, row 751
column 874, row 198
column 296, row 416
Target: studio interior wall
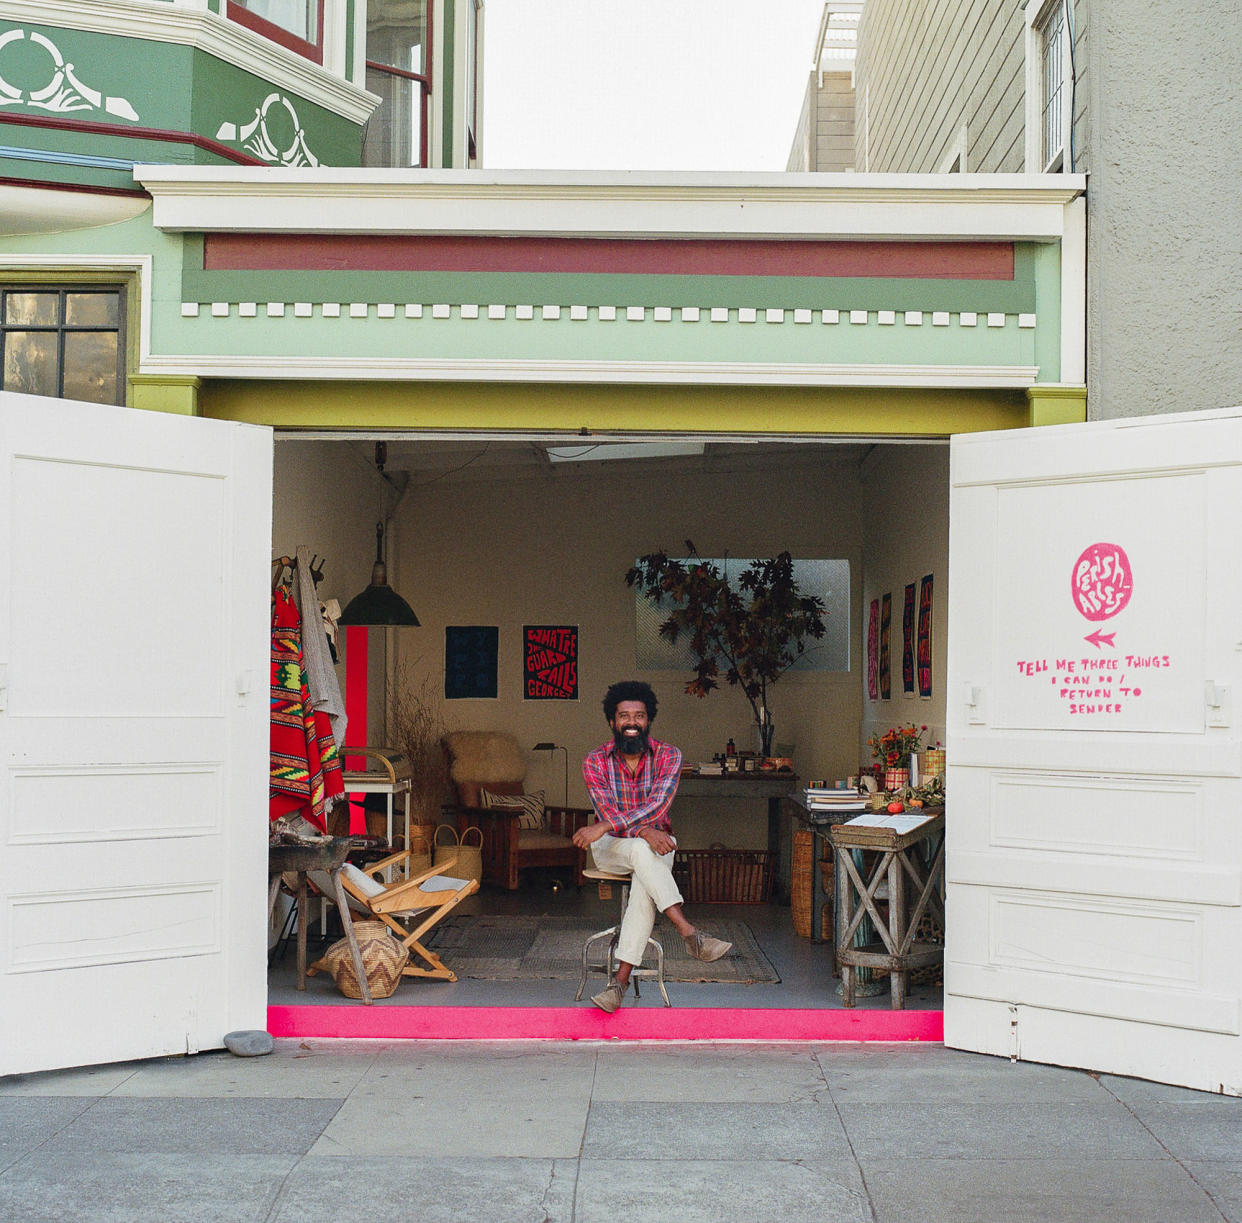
column 905, row 504
column 327, row 496
column 553, row 549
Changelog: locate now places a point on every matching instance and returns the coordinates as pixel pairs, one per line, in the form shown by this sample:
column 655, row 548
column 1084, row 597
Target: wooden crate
column 724, row 876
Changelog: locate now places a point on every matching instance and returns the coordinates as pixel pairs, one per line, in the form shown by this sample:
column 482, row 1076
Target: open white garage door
column 134, row 554
column 1095, row 690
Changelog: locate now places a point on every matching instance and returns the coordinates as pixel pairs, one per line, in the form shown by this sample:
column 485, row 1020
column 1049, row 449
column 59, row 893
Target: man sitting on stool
column 632, row 781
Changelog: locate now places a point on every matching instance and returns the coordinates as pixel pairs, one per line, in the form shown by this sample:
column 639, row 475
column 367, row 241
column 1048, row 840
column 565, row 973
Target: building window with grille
column 64, row 342
column 1049, row 85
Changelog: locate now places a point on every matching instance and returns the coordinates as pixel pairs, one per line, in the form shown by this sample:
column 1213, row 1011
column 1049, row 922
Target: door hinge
column 1217, row 698
column 245, row 685
column 4, row 685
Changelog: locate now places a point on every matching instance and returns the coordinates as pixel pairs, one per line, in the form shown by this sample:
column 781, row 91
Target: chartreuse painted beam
column 172, row 393
column 810, row 411
column 1056, row 405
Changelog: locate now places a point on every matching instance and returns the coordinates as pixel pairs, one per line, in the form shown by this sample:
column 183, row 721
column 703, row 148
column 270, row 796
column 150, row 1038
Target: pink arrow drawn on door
column 1099, row 640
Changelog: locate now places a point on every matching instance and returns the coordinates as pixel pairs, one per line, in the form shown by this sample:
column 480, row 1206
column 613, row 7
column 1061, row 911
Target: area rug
column 506, row 947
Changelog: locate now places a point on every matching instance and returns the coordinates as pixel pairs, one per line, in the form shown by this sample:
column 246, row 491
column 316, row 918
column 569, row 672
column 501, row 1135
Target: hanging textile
column 305, row 766
column 325, row 691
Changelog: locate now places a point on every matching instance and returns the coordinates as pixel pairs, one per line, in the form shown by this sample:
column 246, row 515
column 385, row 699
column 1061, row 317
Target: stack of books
column 709, row 769
column 826, row 804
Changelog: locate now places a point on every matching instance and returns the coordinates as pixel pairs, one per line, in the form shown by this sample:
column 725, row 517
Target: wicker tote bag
column 469, row 864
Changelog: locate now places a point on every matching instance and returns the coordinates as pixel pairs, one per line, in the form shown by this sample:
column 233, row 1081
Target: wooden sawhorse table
column 328, row 856
column 897, row 952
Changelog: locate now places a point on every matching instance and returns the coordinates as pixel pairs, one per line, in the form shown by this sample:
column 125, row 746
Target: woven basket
column 469, row 864
column 421, row 838
column 723, row 876
column 800, row 869
column 383, row 958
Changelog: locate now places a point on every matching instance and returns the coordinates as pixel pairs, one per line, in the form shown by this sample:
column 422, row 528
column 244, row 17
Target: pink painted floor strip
column 586, row 1023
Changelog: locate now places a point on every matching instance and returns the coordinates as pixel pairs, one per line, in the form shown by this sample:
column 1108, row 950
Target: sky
column 644, row 85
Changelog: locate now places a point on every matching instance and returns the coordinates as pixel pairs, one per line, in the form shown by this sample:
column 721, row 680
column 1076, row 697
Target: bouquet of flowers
column 894, row 747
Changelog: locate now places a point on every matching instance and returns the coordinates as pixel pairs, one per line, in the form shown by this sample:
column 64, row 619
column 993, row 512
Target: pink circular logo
column 1102, row 582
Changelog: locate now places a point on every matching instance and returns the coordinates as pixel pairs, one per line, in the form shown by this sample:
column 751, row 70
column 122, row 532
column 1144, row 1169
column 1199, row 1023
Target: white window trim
column 1036, row 12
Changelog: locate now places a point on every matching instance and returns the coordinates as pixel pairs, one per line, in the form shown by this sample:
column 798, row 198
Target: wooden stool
column 612, row 934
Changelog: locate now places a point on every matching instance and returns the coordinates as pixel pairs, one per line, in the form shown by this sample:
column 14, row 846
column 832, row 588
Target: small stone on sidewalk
column 249, row 1044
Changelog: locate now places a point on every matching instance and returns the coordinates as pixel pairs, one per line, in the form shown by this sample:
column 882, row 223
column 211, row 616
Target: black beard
column 632, row 745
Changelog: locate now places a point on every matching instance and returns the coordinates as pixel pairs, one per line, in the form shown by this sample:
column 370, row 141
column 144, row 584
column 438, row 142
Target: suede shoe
column 609, row 998
column 704, row 947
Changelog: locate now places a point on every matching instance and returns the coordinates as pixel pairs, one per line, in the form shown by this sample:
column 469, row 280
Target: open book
column 903, row 822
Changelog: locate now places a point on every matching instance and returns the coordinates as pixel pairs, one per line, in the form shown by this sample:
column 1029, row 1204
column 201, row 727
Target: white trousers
column 652, row 888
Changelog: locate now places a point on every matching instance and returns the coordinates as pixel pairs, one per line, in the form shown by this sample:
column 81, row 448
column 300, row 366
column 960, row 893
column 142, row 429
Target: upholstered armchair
column 488, row 771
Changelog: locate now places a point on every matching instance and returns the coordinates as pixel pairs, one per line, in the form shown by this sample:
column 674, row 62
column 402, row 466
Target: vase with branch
column 416, row 729
column 748, row 633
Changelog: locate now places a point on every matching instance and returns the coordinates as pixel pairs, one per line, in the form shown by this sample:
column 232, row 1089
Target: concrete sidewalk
column 515, row 1132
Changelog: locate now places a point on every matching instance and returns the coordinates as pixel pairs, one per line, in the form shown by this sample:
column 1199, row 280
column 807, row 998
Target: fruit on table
column 896, row 807
column 916, row 802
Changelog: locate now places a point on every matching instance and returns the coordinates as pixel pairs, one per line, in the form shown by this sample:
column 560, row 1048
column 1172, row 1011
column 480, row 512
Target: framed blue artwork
column 470, row 653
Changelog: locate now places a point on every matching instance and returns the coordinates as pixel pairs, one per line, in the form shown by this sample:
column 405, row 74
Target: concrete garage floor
column 804, row 968
column 591, row 1132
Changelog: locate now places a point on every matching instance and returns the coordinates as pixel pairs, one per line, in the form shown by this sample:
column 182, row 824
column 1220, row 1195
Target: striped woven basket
column 383, row 958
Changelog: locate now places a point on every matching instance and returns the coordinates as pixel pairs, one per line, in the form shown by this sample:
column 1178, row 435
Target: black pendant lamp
column 379, row 604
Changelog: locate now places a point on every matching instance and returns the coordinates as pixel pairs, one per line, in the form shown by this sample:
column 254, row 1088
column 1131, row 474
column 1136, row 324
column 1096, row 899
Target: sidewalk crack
column 1207, row 1193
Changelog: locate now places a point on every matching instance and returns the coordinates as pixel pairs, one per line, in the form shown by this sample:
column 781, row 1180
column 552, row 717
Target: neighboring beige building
column 1150, row 110
column 824, row 140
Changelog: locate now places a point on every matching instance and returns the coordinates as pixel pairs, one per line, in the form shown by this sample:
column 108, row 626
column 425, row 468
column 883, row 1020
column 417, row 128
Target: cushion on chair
column 529, row 806
column 539, row 839
column 443, row 883
column 364, row 883
column 323, row 884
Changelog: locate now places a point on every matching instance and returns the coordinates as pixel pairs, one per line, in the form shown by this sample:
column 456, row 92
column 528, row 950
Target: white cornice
column 737, row 373
column 46, row 210
column 226, row 40
column 631, row 205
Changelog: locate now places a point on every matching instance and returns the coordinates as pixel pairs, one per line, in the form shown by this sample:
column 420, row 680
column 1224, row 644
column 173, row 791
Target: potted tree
column 750, row 634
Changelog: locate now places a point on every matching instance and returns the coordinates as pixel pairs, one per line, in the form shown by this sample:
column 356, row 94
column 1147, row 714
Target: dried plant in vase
column 417, row 725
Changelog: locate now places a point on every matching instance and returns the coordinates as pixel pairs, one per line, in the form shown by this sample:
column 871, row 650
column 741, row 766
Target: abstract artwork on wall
column 470, row 652
column 550, row 662
column 924, row 654
column 873, row 650
column 907, row 641
column 886, row 618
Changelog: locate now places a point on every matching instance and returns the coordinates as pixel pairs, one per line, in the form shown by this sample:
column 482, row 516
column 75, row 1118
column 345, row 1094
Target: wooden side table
column 299, row 859
column 897, row 950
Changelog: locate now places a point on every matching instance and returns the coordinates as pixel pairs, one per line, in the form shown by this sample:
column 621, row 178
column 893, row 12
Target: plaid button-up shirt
column 630, row 802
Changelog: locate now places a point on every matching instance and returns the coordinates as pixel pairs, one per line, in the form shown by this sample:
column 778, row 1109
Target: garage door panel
column 1145, row 962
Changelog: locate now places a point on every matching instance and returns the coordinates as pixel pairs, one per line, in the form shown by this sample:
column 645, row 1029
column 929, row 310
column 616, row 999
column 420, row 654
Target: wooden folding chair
column 408, row 907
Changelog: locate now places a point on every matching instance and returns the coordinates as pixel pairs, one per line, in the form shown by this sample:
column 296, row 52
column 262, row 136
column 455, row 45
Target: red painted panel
column 709, row 257
column 357, row 641
column 586, row 1023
